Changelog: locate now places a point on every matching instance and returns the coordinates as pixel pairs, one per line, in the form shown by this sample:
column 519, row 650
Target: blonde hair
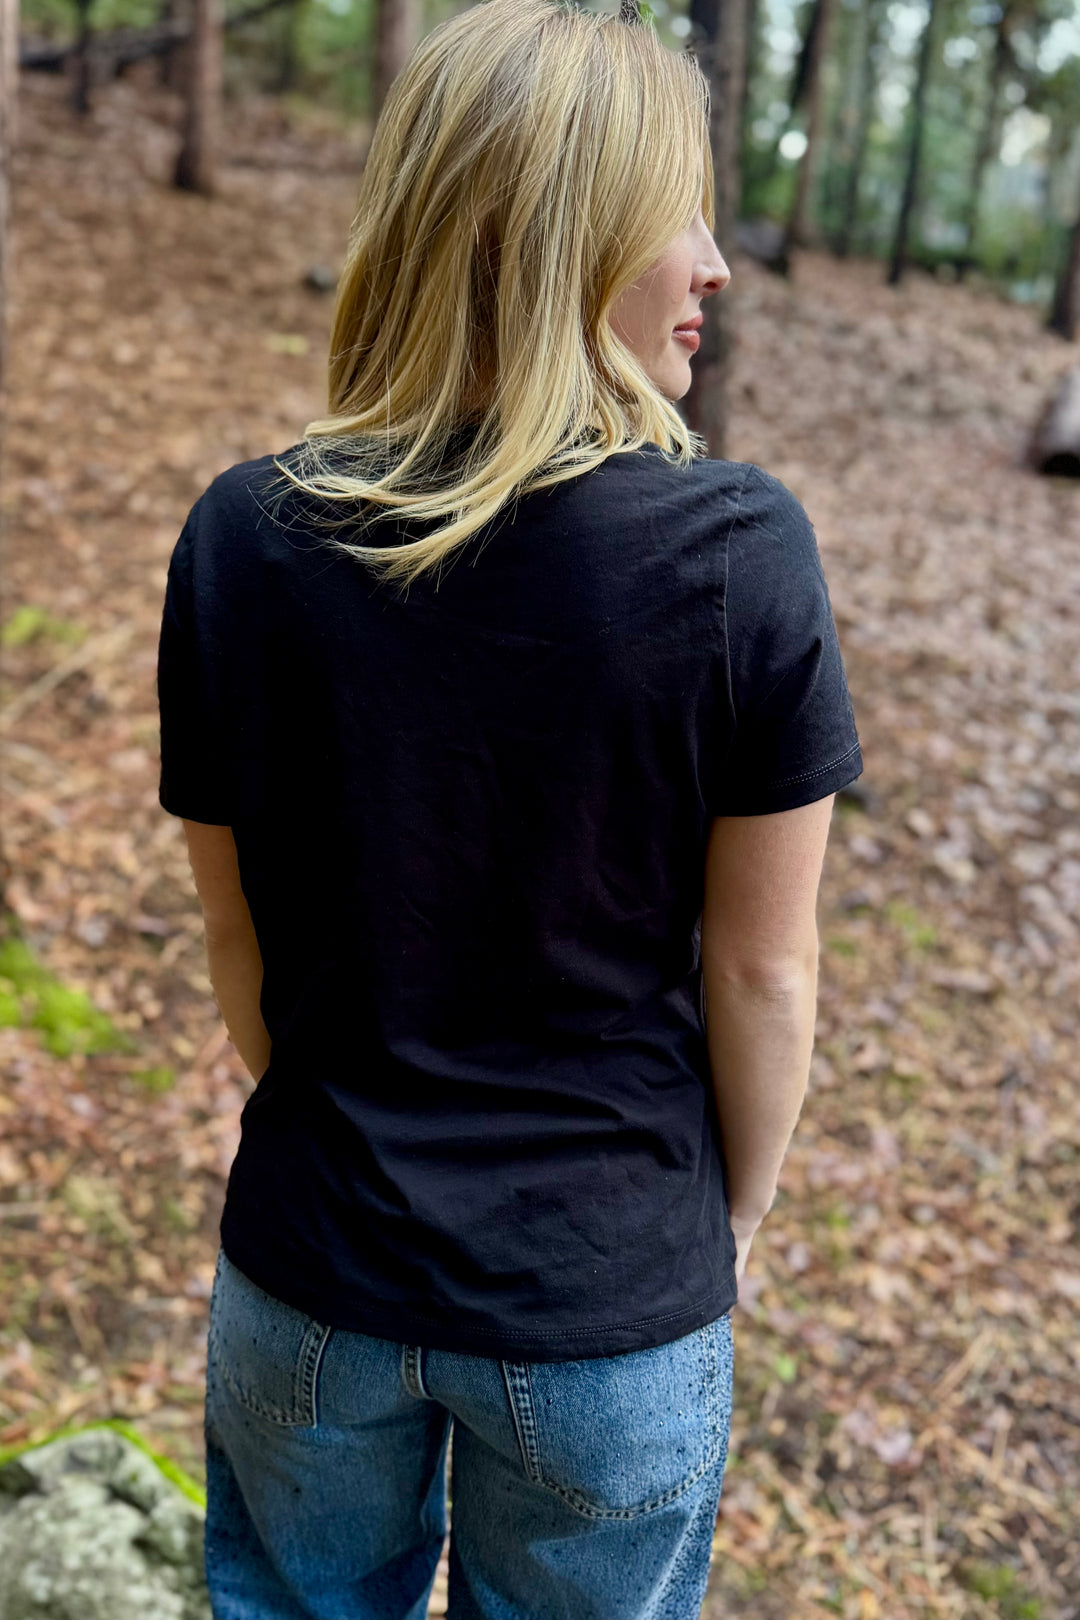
column 530, row 162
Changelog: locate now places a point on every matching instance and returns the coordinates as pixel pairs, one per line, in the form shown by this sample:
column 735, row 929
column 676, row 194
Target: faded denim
column 580, row 1490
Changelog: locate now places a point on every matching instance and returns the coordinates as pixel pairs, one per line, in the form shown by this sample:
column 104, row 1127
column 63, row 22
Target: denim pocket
column 618, row 1436
column 267, row 1352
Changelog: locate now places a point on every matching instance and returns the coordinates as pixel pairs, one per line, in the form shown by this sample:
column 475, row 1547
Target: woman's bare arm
column 232, row 951
column 759, row 951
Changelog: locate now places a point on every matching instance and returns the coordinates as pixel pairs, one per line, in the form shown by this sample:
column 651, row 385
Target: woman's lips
column 687, row 335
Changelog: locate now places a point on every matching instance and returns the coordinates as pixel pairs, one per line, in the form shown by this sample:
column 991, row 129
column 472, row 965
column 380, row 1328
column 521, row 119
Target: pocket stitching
column 523, row 1411
column 521, row 1392
column 308, row 1363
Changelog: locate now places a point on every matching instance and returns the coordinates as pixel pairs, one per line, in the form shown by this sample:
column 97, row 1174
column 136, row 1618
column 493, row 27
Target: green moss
column 917, row 933
column 906, row 1086
column 183, row 1482
column 10, row 1010
column 155, row 1080
column 33, row 998
column 999, row 1583
column 786, row 1368
column 29, row 623
column 177, row 1217
column 95, row 1200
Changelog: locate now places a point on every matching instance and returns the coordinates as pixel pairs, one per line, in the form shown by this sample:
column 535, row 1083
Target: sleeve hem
column 206, row 815
column 800, row 790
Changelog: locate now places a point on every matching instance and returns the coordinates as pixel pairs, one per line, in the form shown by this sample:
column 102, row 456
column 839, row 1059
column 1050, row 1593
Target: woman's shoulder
column 243, row 514
column 247, row 488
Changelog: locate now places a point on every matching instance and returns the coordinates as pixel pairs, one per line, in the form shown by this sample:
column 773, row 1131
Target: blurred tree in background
column 951, row 146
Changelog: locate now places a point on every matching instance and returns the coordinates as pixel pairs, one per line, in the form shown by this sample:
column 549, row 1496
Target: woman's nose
column 715, row 278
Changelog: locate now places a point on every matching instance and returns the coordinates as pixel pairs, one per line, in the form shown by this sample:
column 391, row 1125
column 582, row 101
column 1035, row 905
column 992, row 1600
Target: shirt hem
column 402, row 1325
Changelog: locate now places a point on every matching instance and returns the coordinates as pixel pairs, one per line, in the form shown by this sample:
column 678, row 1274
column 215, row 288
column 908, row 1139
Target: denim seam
column 311, row 1354
column 412, row 1372
column 516, row 1375
column 249, row 1402
column 521, row 1400
column 308, row 1360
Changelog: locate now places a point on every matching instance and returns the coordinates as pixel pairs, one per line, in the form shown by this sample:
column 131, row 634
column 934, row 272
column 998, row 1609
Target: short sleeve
column 795, row 739
column 196, row 769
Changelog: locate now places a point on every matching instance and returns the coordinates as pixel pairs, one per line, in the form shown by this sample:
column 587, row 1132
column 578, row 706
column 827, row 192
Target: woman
column 505, row 727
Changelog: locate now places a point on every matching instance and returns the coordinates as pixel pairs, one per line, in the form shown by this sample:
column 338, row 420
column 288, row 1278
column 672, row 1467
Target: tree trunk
column 799, row 223
column 753, row 54
column 397, row 28
column 81, row 64
column 289, row 60
column 1055, row 444
column 197, row 162
column 174, row 65
column 984, row 151
column 914, row 159
column 719, row 41
column 848, row 29
column 875, row 16
column 1065, row 311
column 9, row 81
column 797, row 91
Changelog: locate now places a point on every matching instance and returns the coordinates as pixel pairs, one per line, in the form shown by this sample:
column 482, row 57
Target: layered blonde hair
column 531, row 161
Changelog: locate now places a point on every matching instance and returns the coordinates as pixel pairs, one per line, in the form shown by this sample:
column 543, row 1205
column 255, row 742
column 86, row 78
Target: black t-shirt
column 471, row 825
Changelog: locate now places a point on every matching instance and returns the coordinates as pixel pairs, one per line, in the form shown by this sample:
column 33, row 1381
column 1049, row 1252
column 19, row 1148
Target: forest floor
column 905, row 1439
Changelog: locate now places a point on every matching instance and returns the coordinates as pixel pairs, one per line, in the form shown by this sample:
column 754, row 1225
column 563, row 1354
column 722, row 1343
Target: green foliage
column 841, row 946
column 30, row 623
column 998, row 1583
column 786, row 1368
column 917, row 933
column 177, row 1217
column 317, row 56
column 155, row 1081
column 56, row 19
column 98, row 1204
column 31, row 997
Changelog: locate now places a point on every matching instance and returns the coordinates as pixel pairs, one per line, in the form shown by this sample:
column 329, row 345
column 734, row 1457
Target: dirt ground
column 905, row 1442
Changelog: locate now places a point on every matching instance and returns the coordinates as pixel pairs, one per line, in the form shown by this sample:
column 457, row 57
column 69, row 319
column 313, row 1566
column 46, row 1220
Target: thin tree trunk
column 1065, row 311
column 9, row 81
column 797, row 92
column 81, row 65
column 289, row 60
column 989, row 132
column 753, row 53
column 799, row 223
column 197, row 163
column 850, row 25
column 914, row 159
column 397, row 28
column 174, row 66
column 867, row 96
column 719, row 41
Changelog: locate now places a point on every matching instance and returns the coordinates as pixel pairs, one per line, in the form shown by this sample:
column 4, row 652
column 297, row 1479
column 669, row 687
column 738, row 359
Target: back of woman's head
column 530, row 162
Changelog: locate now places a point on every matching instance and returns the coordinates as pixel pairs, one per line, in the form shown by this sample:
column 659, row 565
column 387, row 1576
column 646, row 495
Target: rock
column 320, row 279
column 91, row 1529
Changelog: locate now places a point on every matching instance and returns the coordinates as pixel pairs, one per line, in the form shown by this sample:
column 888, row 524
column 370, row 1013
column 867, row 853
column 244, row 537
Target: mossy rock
column 93, row 1526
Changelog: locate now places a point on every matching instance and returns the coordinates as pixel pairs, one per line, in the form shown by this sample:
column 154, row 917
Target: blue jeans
column 580, row 1490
